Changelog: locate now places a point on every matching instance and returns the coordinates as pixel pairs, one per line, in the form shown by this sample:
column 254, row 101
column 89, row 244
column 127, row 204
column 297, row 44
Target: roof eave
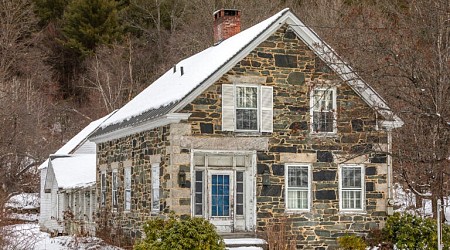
column 147, row 125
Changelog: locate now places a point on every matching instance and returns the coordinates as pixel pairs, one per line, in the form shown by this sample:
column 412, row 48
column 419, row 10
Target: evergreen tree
column 89, row 23
column 50, row 10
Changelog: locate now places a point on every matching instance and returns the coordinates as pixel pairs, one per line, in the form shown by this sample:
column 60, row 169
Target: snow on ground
column 405, row 201
column 24, row 201
column 28, row 237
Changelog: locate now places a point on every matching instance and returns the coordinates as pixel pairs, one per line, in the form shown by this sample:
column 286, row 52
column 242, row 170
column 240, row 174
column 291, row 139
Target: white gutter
column 147, row 125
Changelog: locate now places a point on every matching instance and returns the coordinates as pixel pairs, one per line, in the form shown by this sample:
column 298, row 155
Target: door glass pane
column 239, row 193
column 220, row 195
column 199, row 192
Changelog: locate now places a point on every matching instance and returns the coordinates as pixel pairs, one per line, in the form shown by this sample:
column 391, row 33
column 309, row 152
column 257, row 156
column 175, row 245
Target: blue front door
column 220, row 195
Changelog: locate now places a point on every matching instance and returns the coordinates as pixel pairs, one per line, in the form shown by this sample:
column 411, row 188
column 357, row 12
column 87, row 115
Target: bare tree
column 110, row 75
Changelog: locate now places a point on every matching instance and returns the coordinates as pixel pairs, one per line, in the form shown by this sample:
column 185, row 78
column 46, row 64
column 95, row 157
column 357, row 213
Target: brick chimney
column 227, row 23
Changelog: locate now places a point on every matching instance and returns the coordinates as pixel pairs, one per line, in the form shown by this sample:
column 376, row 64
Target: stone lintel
column 103, row 167
column 298, row 157
column 155, row 158
column 247, row 79
column 127, row 163
column 225, row 143
column 351, row 159
column 114, row 165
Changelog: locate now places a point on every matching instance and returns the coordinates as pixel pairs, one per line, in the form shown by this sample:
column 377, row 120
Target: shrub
column 407, row 231
column 176, row 233
column 351, row 242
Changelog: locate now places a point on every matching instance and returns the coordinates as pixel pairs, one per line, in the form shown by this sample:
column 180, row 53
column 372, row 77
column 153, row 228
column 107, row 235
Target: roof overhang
column 150, row 124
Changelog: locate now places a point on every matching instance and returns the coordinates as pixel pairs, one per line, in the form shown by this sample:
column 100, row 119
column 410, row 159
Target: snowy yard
column 27, row 236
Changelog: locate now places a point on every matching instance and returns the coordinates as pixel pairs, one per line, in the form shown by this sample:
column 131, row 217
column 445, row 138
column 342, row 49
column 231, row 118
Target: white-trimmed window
column 351, row 186
column 323, row 110
column 127, row 187
column 155, row 188
column 114, row 186
column 103, row 188
column 247, row 107
column 298, row 187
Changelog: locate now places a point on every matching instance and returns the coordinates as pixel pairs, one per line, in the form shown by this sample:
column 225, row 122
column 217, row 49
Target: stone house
column 267, row 124
column 67, row 193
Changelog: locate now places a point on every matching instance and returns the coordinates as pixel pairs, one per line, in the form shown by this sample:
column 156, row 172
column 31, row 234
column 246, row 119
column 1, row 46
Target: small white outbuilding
column 67, row 190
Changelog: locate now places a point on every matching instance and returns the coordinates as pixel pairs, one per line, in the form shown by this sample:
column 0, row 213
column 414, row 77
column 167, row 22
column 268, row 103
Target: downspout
column 390, row 209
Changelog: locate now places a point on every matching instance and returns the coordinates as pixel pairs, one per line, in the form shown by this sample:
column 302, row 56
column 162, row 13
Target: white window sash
column 236, row 108
column 155, row 188
column 352, row 203
column 103, row 188
column 289, row 190
column 114, row 185
column 316, row 106
column 127, row 188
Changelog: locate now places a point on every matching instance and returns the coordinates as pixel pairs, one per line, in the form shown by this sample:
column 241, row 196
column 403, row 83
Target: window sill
column 324, row 134
column 248, row 133
column 297, row 211
column 361, row 212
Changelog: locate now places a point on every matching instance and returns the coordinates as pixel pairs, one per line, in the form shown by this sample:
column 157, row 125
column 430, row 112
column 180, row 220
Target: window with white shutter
column 247, row 108
column 266, row 109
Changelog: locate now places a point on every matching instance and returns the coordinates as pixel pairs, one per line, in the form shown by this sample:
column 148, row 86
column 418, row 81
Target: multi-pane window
column 114, row 186
column 127, row 187
column 220, row 195
column 246, row 108
column 103, row 188
column 198, row 203
column 323, row 102
column 239, row 193
column 352, row 187
column 298, row 187
column 155, row 188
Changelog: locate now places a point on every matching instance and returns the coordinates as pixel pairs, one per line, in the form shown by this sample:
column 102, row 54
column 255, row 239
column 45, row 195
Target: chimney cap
column 226, row 12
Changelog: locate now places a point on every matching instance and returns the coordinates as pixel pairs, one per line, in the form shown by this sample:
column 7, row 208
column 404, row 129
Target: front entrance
column 223, row 191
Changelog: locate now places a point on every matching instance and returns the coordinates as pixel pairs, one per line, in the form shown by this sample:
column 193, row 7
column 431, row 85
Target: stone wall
column 285, row 63
column 138, row 151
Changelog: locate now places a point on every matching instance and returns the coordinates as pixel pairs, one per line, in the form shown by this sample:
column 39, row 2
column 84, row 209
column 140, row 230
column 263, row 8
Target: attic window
column 323, row 110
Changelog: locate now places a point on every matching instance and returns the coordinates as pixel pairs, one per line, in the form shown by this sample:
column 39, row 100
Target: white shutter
column 266, row 109
column 228, row 107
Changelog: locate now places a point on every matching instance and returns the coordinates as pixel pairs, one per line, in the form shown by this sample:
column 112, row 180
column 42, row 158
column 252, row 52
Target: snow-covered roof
column 75, row 170
column 173, row 86
column 173, row 90
column 79, row 140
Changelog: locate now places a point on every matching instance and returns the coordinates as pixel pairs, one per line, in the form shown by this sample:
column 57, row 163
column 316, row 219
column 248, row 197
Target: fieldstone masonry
column 292, row 69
